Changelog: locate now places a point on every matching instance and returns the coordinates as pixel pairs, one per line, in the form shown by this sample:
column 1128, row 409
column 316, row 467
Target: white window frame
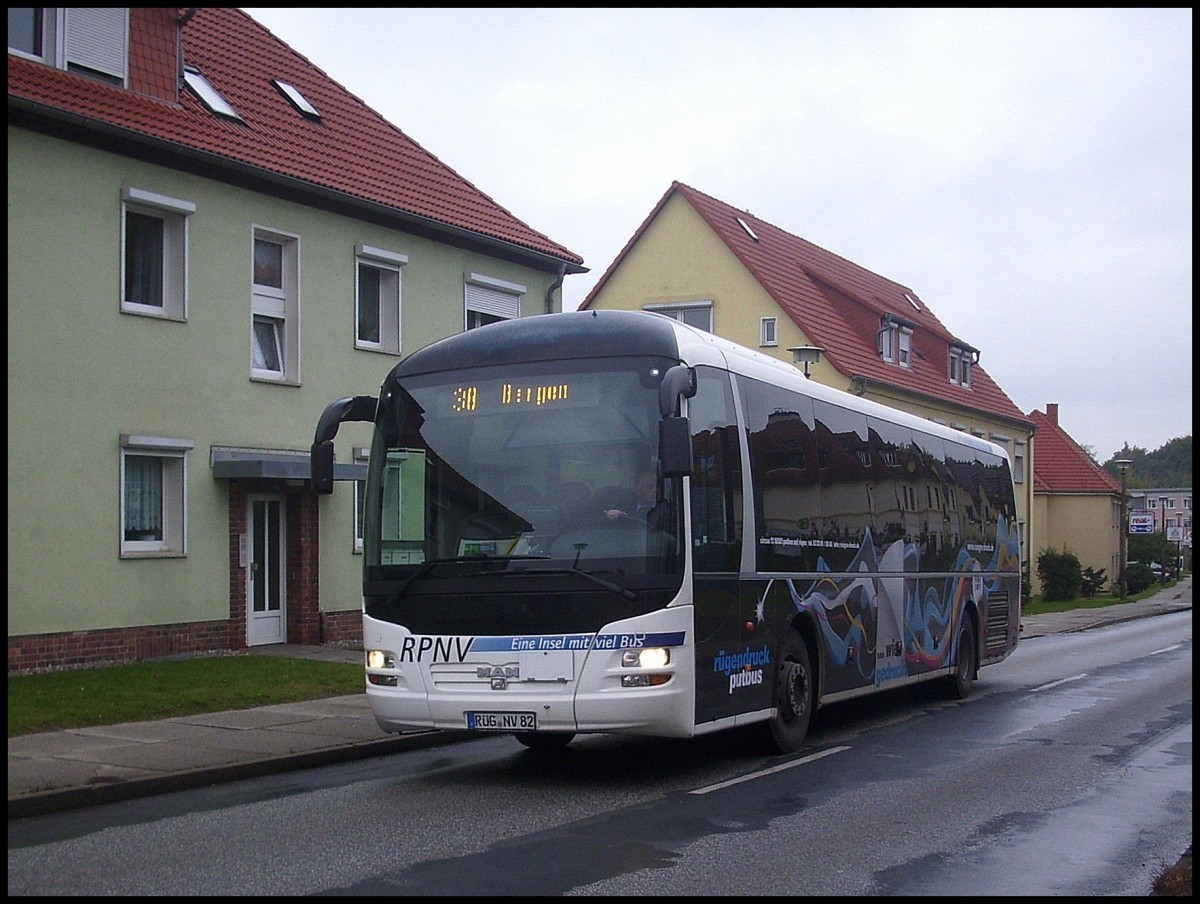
column 92, row 41
column 388, row 264
column 173, row 453
column 173, row 213
column 959, row 366
column 50, row 29
column 695, row 313
column 768, row 332
column 276, row 309
column 1018, row 471
column 895, row 344
column 487, row 299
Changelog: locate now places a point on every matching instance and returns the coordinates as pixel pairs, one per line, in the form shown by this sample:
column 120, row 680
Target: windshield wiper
column 426, row 567
column 423, row 569
column 624, row 592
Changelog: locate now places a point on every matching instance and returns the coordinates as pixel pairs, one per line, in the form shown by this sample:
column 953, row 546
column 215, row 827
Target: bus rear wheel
column 959, row 684
column 794, row 694
column 544, row 740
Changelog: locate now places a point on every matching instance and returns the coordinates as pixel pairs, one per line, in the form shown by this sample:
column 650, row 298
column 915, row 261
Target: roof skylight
column 298, row 100
column 208, row 95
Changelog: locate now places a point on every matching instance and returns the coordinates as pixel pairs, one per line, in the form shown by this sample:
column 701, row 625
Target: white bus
column 807, row 546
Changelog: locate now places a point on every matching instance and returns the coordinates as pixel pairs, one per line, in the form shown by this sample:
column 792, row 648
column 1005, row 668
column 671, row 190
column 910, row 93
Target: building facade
column 715, row 266
column 1077, row 504
column 209, row 241
column 1165, row 510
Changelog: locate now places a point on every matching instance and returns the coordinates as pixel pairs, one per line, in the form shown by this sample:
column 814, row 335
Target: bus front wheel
column 794, row 692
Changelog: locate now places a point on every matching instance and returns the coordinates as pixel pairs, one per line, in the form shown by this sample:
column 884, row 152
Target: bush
column 1060, row 574
column 1093, row 581
column 1138, row 577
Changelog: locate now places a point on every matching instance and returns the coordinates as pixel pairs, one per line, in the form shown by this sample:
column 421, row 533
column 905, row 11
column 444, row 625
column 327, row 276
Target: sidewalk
column 64, row 770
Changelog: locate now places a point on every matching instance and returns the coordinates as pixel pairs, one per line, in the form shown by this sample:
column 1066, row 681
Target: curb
column 47, row 802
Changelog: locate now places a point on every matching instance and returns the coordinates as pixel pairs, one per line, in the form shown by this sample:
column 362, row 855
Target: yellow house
column 1076, row 503
column 710, row 264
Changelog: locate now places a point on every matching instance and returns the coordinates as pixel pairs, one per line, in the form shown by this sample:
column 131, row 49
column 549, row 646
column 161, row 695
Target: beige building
column 1076, row 503
column 710, row 264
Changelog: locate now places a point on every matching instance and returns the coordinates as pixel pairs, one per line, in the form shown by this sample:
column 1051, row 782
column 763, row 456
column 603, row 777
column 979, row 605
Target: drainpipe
column 557, row 284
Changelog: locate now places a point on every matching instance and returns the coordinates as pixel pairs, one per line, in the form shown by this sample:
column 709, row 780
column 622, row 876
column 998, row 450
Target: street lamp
column 1162, row 508
column 806, row 355
column 1123, row 464
column 1179, row 545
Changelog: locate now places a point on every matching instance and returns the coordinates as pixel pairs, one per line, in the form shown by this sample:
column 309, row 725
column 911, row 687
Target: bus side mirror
column 675, row 446
column 321, row 468
column 320, row 459
column 677, row 381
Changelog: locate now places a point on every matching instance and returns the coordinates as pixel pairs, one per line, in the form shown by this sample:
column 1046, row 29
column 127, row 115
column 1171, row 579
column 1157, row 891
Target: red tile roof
column 351, row 150
column 1060, row 465
column 839, row 306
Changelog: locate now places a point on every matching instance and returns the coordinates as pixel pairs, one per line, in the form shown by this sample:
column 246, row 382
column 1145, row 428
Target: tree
column 1093, row 581
column 1168, row 466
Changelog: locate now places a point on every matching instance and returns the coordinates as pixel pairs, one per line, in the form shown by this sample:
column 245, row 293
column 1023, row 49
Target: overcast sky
column 1027, row 172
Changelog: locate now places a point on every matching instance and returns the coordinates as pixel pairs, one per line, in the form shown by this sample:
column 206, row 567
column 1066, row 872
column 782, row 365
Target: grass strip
column 108, row 695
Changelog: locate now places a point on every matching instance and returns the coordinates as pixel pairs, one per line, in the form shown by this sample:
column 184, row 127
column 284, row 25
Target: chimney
column 1052, row 413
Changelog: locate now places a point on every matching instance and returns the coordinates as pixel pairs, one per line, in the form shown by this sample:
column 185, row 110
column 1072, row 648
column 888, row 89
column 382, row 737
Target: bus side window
column 716, row 475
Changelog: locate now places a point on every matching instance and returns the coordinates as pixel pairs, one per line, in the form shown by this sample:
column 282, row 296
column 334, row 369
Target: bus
column 809, row 547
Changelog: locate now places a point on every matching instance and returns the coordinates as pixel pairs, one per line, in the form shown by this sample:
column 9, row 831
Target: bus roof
column 606, row 333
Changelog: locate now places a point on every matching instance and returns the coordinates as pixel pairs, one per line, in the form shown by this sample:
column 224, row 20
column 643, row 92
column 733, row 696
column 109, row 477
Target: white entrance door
column 266, row 612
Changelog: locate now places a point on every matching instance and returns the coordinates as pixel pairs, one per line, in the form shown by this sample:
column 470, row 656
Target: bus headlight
column 646, row 658
column 381, row 659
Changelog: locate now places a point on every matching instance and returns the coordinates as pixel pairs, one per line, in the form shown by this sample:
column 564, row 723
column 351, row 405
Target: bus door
column 727, row 668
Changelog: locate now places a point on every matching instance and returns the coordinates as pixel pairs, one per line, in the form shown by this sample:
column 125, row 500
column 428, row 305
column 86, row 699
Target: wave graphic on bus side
column 887, row 621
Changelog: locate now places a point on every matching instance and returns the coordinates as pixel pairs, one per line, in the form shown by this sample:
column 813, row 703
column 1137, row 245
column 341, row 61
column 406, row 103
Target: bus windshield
column 531, row 468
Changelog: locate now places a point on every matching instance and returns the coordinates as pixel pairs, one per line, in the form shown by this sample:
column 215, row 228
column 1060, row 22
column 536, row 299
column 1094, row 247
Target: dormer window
column 30, row 31
column 91, row 41
column 895, row 342
column 960, row 362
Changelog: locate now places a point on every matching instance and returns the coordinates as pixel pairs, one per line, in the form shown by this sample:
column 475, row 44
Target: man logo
column 499, row 675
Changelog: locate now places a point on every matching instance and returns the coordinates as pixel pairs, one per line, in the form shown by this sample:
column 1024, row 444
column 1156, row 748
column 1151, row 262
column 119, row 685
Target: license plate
column 502, row 721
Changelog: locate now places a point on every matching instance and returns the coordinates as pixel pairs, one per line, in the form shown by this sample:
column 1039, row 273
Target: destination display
column 497, row 396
